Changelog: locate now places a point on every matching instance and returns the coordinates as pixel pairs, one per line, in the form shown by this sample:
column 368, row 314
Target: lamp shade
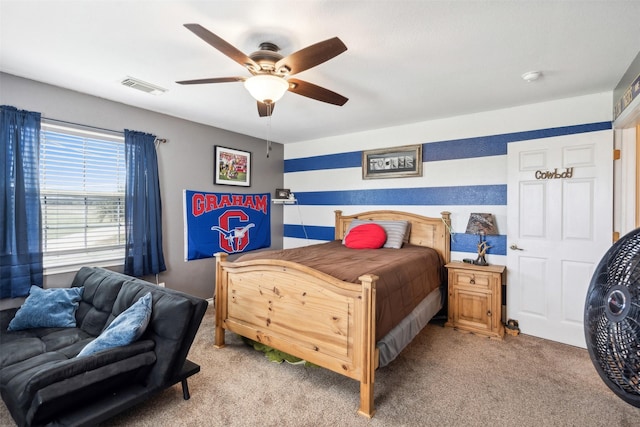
column 266, row 88
column 481, row 223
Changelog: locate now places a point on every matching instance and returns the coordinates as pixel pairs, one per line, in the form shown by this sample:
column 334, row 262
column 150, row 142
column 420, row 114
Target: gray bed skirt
column 400, row 336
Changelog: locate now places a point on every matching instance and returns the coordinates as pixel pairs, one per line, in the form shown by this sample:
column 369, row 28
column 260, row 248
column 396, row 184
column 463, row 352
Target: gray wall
column 185, row 162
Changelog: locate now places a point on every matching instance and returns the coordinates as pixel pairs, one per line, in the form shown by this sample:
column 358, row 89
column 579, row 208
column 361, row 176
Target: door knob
column 515, row 248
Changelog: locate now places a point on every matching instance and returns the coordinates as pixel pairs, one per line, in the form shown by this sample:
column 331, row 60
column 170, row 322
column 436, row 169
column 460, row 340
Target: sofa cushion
column 19, row 350
column 48, row 308
column 21, row 345
column 101, row 288
column 125, row 329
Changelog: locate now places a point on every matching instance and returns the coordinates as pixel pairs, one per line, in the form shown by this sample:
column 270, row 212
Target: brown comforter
column 407, row 275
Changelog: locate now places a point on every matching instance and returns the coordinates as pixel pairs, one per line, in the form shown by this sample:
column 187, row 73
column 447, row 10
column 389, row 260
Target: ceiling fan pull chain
column 269, row 129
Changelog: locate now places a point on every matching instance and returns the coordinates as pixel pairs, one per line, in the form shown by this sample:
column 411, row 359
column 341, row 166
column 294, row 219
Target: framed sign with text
column 396, row 162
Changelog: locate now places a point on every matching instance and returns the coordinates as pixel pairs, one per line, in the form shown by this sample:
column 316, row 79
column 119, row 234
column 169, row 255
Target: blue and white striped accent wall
column 461, row 176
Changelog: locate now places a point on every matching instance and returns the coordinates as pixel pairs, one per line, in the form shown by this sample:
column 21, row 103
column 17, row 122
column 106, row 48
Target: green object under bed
column 275, row 355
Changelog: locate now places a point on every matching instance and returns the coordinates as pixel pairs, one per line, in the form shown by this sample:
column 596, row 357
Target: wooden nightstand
column 475, row 298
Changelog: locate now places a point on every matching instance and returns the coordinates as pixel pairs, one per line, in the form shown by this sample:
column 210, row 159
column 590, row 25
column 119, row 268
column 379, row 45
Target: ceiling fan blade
column 312, row 55
column 212, row 80
column 316, row 92
column 223, row 47
column 265, row 110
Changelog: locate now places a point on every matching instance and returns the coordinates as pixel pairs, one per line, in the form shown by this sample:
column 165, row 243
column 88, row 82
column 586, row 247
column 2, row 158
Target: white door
column 559, row 215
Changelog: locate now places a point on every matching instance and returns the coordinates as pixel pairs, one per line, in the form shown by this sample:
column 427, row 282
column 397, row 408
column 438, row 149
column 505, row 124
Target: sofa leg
column 189, row 368
column 185, row 390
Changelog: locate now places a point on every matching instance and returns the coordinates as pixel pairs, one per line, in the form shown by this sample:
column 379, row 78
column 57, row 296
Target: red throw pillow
column 365, row 236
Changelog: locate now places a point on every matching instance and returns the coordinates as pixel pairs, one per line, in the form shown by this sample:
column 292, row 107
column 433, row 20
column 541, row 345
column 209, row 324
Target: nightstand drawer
column 471, row 278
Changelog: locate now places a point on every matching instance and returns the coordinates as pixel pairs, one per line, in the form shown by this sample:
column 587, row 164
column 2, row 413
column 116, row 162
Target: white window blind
column 82, row 183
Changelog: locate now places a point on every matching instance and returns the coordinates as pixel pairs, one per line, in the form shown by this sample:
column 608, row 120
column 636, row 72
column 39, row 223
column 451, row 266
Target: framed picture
column 396, row 162
column 231, row 166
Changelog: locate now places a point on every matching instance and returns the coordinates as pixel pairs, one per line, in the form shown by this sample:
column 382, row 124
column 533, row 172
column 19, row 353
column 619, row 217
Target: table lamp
column 483, row 225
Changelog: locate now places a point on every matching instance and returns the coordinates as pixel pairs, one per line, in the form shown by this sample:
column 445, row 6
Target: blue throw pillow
column 47, row 308
column 125, row 329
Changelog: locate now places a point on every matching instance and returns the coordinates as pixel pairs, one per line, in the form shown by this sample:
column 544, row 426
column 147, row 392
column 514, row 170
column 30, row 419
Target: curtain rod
column 119, row 132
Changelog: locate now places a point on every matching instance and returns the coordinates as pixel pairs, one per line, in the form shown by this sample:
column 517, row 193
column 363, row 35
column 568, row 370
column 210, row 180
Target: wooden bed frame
column 310, row 314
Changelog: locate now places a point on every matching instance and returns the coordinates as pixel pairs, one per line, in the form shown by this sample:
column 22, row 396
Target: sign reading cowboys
column 225, row 222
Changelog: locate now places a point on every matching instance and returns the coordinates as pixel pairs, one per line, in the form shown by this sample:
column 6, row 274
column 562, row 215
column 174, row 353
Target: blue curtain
column 142, row 208
column 20, row 218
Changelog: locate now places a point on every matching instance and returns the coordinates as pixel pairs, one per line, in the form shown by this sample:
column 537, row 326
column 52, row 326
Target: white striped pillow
column 397, row 231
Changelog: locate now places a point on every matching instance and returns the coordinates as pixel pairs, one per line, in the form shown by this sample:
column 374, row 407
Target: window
column 82, row 184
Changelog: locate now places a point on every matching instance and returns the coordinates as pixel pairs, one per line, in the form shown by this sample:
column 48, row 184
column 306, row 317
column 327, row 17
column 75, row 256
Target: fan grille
column 612, row 318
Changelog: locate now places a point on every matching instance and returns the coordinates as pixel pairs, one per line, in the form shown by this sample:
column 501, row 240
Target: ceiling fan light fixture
column 266, row 88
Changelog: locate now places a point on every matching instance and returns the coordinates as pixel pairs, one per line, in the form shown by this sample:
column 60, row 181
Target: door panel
column 532, row 209
column 473, row 308
column 532, row 281
column 577, row 221
column 574, row 276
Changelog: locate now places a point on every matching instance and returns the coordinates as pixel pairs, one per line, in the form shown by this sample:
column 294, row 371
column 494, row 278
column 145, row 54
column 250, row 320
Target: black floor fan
column 612, row 318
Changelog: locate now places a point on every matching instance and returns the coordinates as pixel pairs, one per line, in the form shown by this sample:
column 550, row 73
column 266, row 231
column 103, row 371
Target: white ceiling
column 407, row 61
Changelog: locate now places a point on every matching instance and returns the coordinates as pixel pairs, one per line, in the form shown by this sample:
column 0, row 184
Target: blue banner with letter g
column 225, row 222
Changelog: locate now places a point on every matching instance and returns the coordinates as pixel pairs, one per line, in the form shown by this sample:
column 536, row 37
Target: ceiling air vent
column 143, row 86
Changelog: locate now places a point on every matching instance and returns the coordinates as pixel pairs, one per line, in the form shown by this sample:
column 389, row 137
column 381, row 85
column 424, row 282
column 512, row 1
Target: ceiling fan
column 271, row 72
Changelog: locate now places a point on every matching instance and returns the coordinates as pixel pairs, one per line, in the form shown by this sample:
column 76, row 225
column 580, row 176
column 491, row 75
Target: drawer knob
column 488, row 313
column 473, row 280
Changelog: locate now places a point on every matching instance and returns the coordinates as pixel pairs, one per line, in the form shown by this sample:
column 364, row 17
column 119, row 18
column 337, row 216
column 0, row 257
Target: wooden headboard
column 425, row 231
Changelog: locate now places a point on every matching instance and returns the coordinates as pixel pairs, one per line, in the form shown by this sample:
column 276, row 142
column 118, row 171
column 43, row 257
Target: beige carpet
column 444, row 378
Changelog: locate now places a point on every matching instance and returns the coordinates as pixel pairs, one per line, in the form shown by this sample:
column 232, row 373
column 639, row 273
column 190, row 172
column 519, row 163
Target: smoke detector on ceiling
column 531, row 76
column 143, row 86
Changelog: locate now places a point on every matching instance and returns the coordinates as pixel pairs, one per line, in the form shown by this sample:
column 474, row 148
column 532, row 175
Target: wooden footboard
column 303, row 312
column 310, row 314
